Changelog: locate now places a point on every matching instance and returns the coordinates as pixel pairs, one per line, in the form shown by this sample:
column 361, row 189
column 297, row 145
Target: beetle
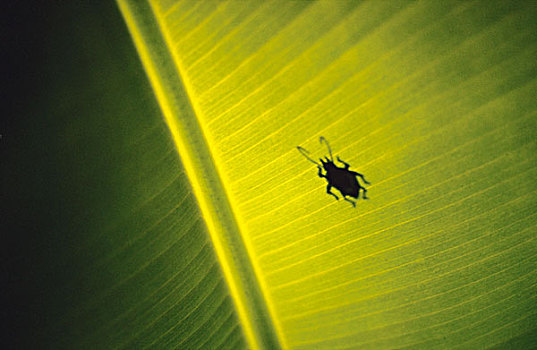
column 343, row 179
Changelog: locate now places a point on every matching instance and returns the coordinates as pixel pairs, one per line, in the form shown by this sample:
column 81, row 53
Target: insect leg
column 364, row 194
column 328, row 190
column 342, row 162
column 320, row 173
column 361, row 176
column 351, row 201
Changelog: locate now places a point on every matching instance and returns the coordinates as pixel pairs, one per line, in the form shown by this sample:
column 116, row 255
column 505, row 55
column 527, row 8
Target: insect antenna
column 305, row 154
column 328, row 146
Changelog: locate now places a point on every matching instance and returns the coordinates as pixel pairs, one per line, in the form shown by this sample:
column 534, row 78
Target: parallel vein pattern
column 181, row 112
column 435, row 102
column 117, row 251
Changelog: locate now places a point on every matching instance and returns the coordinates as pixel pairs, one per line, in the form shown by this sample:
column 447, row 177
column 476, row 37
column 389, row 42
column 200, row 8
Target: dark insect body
column 343, row 179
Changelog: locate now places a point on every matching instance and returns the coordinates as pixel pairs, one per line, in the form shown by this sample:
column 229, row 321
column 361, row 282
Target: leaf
column 119, row 244
column 433, row 101
column 109, row 249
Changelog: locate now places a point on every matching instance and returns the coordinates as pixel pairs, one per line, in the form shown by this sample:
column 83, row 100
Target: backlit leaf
column 433, row 101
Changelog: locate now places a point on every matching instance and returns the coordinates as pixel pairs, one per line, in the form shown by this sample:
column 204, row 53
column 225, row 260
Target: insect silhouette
column 343, row 179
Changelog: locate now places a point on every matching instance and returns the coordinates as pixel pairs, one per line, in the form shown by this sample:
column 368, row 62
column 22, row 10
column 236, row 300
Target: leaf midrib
column 181, row 112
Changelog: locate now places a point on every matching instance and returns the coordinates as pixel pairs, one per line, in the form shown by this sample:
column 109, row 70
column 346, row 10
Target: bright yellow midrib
column 241, row 224
column 187, row 156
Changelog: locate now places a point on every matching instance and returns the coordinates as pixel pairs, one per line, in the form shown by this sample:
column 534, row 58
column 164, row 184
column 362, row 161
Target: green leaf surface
column 433, row 101
column 171, row 209
column 109, row 248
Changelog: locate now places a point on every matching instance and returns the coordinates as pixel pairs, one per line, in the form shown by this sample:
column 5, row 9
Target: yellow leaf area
column 434, row 102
